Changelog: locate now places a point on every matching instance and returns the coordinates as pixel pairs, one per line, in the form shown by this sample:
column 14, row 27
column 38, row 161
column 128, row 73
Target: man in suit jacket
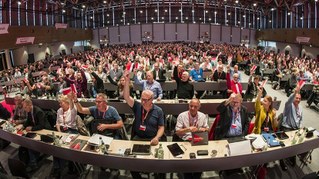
column 116, row 73
column 158, row 73
column 36, row 120
column 234, row 120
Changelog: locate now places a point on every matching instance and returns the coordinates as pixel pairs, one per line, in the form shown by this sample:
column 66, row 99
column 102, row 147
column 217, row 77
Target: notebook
column 141, row 149
column 199, row 138
column 271, row 140
column 175, row 149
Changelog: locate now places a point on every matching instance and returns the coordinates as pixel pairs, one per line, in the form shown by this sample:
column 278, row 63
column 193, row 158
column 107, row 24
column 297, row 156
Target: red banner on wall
column 4, row 28
column 25, row 40
column 60, row 26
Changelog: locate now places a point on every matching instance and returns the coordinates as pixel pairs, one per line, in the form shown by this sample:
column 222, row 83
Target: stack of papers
column 95, row 139
column 239, row 148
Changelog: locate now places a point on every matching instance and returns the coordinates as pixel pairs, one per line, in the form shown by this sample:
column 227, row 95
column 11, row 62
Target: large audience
column 147, row 65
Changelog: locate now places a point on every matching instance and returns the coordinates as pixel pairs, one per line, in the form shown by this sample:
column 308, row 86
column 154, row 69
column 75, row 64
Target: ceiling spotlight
column 19, row 2
column 255, row 4
column 104, row 2
column 91, row 17
column 165, row 10
column 107, row 15
column 288, row 14
column 155, row 10
column 63, row 10
column 141, row 11
column 83, row 6
column 236, row 1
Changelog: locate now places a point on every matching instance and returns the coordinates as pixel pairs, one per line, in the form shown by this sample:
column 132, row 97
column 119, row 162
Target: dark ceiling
column 263, row 5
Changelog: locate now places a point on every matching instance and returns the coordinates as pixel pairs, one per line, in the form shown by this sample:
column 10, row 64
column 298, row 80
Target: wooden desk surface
column 169, row 163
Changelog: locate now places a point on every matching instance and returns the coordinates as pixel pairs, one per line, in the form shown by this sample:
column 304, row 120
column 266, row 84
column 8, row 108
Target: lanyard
column 194, row 121
column 103, row 116
column 235, row 116
column 148, row 86
column 144, row 116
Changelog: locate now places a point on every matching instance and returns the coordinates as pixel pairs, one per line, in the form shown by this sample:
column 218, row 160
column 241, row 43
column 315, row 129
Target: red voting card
column 264, row 82
column 253, row 68
column 197, row 139
column 73, row 88
column 301, row 83
column 66, row 91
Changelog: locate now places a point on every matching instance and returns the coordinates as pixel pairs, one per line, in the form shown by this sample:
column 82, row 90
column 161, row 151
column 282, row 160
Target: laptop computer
column 141, row 149
column 199, row 138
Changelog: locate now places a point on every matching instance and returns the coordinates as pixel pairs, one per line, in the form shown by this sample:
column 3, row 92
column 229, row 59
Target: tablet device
column 141, row 149
column 30, row 135
column 282, row 135
column 175, row 149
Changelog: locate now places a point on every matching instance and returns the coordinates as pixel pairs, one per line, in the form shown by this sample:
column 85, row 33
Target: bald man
column 185, row 90
column 149, row 118
column 191, row 121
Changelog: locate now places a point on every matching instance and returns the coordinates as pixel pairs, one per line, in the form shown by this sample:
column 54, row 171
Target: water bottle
column 56, row 140
column 102, row 146
column 294, row 139
column 176, row 98
column 302, row 136
column 160, row 152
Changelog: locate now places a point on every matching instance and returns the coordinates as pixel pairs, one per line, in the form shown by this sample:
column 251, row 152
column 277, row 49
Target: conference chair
column 17, row 168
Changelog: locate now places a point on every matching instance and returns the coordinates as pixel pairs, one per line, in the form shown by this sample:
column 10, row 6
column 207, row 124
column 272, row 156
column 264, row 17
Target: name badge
column 142, row 128
column 233, row 126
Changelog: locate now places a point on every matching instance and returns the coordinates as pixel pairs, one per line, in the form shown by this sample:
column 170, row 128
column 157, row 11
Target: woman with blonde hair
column 66, row 115
column 266, row 121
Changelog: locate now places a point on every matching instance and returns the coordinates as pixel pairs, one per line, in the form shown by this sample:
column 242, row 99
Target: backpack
column 4, row 113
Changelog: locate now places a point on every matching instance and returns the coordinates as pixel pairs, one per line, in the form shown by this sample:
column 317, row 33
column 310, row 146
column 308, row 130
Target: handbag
column 81, row 126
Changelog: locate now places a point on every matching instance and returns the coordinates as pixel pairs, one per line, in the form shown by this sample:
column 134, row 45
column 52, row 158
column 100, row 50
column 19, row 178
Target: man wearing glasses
column 106, row 118
column 149, row 118
column 234, row 120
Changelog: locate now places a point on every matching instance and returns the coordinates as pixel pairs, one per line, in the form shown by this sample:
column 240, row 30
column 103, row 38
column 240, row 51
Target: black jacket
column 225, row 121
column 185, row 90
column 40, row 120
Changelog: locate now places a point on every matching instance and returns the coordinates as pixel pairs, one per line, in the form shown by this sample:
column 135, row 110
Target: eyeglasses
column 99, row 101
column 146, row 100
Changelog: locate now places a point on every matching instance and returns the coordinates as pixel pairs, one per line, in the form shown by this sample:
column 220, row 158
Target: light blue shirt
column 197, row 75
column 235, row 127
column 155, row 87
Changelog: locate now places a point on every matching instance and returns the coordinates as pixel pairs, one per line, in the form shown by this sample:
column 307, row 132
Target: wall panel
column 125, row 34
column 225, row 34
column 215, row 34
column 193, row 32
column 204, row 31
column 114, row 35
column 182, row 32
column 170, row 30
column 136, row 34
column 158, row 30
column 235, row 35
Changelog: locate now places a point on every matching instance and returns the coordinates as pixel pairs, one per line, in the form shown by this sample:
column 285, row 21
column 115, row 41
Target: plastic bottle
column 56, row 140
column 160, row 152
column 294, row 139
column 102, row 146
column 302, row 136
column 176, row 98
